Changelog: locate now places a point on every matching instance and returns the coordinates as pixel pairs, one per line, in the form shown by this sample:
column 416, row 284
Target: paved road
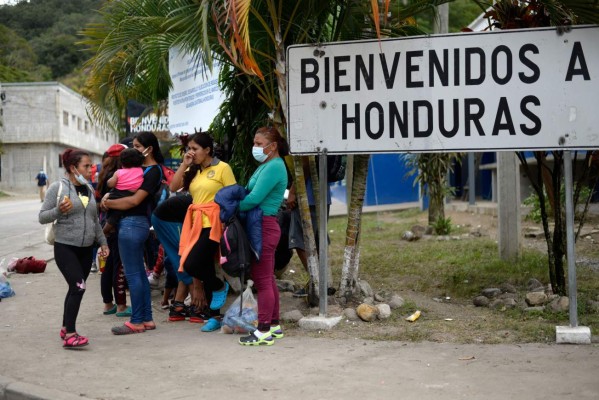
column 177, row 361
column 21, row 234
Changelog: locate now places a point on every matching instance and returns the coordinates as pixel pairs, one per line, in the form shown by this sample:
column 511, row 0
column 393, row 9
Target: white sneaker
column 94, row 268
column 156, row 282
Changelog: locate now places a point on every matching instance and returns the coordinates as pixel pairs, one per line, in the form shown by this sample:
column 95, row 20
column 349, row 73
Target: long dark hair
column 203, row 140
column 148, row 139
column 109, row 166
column 272, row 135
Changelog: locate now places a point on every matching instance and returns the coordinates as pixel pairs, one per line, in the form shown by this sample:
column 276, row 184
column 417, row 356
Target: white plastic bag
column 3, row 271
column 242, row 315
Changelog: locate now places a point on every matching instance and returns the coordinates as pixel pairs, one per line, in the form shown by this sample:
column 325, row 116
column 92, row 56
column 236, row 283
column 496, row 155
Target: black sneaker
column 178, row 312
column 300, row 293
column 197, row 317
column 253, row 340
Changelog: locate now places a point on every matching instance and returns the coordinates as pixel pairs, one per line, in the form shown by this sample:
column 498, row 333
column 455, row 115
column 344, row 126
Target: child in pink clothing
column 125, row 182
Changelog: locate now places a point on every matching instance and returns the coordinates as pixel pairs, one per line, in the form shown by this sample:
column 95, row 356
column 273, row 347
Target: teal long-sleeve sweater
column 267, row 186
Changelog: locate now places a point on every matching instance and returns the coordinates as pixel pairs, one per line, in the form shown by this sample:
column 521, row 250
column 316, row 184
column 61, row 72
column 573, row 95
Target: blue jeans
column 168, row 234
column 133, row 232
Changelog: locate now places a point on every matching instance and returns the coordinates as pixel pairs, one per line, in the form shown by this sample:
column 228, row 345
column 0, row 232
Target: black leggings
column 200, row 263
column 113, row 278
column 74, row 263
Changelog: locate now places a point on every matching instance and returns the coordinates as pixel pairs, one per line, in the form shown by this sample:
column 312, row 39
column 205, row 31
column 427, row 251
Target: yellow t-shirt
column 208, row 182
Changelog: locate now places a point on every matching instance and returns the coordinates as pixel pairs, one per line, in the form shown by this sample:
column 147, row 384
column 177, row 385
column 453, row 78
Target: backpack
column 163, row 191
column 336, row 168
column 235, row 250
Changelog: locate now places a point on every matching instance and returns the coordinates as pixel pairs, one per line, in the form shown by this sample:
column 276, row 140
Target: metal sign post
column 322, row 234
column 571, row 253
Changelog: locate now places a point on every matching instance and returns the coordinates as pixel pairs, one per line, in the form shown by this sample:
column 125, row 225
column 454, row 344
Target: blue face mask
column 81, row 179
column 258, row 153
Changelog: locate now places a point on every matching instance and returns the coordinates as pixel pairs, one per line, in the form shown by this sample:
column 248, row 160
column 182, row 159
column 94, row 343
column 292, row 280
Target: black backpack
column 235, row 250
column 336, row 166
column 163, row 191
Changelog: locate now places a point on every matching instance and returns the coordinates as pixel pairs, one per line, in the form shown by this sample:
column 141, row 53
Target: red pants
column 263, row 272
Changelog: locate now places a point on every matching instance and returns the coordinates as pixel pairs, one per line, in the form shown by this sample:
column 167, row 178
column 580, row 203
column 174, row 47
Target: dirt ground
column 445, row 319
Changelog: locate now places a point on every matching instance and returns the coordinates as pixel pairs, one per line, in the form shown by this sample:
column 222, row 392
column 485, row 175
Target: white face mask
column 80, row 179
column 258, row 153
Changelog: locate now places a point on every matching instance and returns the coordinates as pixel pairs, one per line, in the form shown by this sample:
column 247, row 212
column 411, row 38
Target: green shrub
column 443, row 226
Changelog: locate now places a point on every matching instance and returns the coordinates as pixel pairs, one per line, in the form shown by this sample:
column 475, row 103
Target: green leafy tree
column 49, row 29
column 132, row 42
column 431, row 171
column 18, row 61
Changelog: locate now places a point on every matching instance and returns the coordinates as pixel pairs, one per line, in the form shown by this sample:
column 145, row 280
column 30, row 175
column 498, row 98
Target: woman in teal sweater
column 267, row 187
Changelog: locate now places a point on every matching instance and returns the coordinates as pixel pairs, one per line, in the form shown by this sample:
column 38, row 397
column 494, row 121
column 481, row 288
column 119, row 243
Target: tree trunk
column 300, row 183
column 351, row 254
column 436, row 208
column 309, row 243
column 559, row 232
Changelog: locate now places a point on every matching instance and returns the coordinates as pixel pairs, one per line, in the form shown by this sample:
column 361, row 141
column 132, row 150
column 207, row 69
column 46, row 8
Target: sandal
column 125, row 313
column 75, row 341
column 265, row 339
column 127, row 329
column 149, row 326
column 63, row 333
column 111, row 310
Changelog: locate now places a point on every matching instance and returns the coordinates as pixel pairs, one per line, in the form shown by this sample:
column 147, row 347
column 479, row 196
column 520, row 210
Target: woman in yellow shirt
column 202, row 174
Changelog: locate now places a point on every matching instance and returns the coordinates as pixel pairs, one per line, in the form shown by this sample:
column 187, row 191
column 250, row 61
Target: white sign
column 509, row 90
column 195, row 97
column 150, row 122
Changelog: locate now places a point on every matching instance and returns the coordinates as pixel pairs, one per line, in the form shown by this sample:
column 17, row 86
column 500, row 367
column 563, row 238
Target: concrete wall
column 41, row 120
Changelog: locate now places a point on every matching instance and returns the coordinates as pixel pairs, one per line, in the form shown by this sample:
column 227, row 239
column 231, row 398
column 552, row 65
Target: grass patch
column 458, row 267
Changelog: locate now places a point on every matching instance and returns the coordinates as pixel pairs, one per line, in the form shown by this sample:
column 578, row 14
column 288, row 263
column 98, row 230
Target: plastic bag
column 5, row 288
column 12, row 264
column 248, row 320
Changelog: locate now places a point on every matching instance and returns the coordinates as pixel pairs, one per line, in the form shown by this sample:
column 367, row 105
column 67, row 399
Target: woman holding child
column 133, row 230
column 112, row 281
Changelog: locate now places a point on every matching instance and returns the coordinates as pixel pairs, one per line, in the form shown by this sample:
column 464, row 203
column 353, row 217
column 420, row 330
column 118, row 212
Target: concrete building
column 38, row 121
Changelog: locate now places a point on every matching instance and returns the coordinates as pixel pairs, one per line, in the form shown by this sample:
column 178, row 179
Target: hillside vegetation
column 38, row 39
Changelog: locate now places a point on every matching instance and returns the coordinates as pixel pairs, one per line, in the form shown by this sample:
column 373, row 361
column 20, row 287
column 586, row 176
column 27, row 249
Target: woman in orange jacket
column 203, row 175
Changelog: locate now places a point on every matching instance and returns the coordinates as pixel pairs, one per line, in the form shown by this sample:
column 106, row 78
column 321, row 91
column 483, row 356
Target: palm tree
column 131, row 50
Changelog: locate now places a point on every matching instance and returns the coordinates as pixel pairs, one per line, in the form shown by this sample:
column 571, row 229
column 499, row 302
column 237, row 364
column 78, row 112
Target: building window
column 79, row 123
column 65, row 118
column 86, row 124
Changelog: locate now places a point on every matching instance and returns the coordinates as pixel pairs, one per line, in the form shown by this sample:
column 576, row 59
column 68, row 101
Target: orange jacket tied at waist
column 192, row 227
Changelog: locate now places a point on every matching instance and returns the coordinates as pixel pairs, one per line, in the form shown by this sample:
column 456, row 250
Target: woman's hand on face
column 188, row 157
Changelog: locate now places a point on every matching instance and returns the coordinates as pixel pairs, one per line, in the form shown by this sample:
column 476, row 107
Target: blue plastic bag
column 6, row 290
column 248, row 320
